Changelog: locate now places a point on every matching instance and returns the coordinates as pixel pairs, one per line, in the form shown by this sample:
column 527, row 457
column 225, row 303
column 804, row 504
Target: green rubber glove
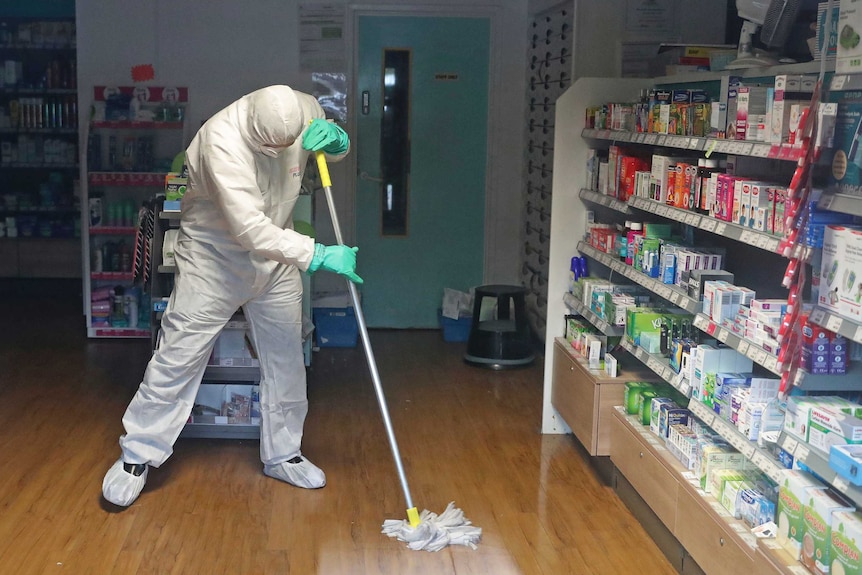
column 336, row 259
column 326, row 136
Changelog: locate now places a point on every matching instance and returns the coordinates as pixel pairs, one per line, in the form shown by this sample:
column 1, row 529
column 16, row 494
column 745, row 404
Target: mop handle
column 366, row 343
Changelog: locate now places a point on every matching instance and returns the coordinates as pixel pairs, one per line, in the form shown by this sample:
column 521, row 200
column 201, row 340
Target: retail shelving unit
column 39, row 208
column 214, row 415
column 568, row 224
column 132, row 139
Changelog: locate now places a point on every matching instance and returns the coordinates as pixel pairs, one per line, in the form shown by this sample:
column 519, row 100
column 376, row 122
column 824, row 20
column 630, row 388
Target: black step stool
column 503, row 341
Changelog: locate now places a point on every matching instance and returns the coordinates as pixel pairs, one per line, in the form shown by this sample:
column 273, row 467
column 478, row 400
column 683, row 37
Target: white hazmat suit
column 235, row 248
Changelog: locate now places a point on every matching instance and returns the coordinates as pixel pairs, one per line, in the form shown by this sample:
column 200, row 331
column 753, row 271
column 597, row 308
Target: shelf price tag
column 834, row 323
column 761, row 461
column 789, row 445
column 745, row 149
column 771, row 363
column 720, row 228
column 722, row 334
column 694, row 144
column 802, row 452
column 818, row 315
column 841, row 484
column 685, row 389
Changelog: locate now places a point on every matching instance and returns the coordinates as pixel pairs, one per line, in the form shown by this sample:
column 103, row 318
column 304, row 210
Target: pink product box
column 773, row 305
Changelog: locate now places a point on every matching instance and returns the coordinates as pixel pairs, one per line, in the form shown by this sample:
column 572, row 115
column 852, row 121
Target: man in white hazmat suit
column 236, row 248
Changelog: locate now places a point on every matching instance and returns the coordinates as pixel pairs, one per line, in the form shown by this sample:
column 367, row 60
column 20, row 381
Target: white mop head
column 435, row 532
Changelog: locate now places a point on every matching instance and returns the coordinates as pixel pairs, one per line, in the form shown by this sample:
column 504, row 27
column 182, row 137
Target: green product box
column 845, row 543
column 642, row 319
column 794, row 490
column 631, row 395
column 175, row 188
column 646, row 397
column 817, row 514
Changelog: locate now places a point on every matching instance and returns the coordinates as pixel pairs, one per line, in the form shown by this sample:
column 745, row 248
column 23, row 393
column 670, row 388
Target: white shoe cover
column 122, row 488
column 304, row 474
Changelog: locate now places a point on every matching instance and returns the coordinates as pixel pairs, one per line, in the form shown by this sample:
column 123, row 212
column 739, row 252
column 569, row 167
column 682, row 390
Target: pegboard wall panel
column 549, row 69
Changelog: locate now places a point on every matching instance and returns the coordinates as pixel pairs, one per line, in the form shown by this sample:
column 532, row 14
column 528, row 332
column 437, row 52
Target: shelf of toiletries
column 580, row 308
column 818, row 462
column 766, row 358
column 838, row 324
column 730, row 230
column 605, row 200
column 699, row 144
column 118, row 332
column 760, row 457
column 156, row 179
column 673, row 294
column 659, row 365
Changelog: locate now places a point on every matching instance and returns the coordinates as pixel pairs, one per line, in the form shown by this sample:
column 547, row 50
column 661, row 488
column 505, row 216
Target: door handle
column 367, row 178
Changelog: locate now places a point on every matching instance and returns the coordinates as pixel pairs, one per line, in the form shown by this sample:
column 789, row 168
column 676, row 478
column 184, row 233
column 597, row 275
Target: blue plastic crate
column 455, row 329
column 335, row 326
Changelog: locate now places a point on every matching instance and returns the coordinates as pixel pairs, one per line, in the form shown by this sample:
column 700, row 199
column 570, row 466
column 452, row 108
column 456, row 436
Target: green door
column 422, row 109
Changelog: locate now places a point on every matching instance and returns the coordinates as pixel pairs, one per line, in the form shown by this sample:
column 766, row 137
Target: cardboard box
column 794, row 490
column 817, row 516
column 846, row 541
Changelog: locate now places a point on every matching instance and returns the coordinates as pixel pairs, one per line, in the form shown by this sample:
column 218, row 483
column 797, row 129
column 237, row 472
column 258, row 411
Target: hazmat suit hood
column 274, row 118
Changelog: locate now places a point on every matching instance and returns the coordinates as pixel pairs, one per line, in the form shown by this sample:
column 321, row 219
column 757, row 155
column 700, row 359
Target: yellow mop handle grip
column 413, row 517
column 323, row 169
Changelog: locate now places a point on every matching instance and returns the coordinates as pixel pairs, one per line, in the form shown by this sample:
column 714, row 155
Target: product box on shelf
column 846, row 155
column 846, row 543
column 817, row 516
column 849, row 50
column 827, row 428
column 840, row 279
column 846, row 461
column 794, row 490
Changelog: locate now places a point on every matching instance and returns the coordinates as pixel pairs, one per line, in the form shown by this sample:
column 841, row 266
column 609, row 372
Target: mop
column 427, row 530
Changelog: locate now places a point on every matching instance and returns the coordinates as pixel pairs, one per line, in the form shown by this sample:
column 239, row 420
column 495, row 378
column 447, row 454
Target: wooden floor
column 467, row 435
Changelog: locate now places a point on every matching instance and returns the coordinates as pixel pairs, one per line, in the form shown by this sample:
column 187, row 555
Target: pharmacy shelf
column 804, row 380
column 156, row 179
column 601, row 199
column 749, row 349
column 113, row 231
column 812, row 67
column 762, row 240
column 779, row 559
column 579, row 307
column 118, row 332
column 220, row 431
column 232, row 374
column 672, row 294
column 739, row 532
column 759, row 457
column 112, row 276
column 660, row 366
column 841, row 325
column 129, row 125
column 819, row 464
column 170, row 215
column 841, row 203
column 707, row 146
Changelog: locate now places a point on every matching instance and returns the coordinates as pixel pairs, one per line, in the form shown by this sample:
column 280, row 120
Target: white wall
column 222, row 49
column 600, row 26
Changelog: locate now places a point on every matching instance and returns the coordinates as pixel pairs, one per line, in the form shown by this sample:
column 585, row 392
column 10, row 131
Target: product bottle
column 96, row 260
column 636, row 230
column 705, row 168
column 125, row 257
column 118, row 308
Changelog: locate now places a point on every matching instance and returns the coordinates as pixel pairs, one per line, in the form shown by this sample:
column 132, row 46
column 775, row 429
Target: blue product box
column 455, row 330
column 846, row 461
column 335, row 326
